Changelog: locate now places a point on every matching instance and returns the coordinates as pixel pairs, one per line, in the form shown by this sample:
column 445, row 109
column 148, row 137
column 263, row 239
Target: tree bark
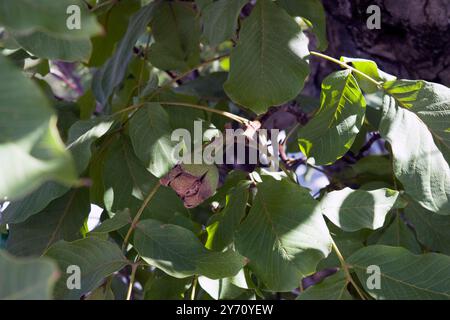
column 413, row 42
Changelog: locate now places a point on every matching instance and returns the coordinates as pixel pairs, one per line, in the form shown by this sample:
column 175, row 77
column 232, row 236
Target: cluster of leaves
column 136, row 71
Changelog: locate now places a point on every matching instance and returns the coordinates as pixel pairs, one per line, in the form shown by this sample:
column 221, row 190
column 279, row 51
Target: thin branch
column 138, row 215
column 346, row 270
column 130, row 108
column 207, row 109
column 229, row 115
column 134, row 267
column 194, row 288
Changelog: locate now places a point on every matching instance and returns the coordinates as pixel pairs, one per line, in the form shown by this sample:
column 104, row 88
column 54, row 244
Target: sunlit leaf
column 268, row 65
column 352, row 210
column 313, row 11
column 30, row 147
column 417, row 162
column 330, row 134
column 290, row 236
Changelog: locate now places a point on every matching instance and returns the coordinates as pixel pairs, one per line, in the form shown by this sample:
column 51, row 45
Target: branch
column 138, row 215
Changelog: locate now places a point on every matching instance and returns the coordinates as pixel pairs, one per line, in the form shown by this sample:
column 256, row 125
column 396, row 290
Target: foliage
column 87, row 117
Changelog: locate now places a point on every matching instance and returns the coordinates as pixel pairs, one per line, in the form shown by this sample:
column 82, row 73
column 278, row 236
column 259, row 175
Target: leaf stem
column 345, row 65
column 138, row 215
column 189, row 105
column 194, row 288
column 134, row 267
column 129, row 108
column 207, row 109
column 346, row 270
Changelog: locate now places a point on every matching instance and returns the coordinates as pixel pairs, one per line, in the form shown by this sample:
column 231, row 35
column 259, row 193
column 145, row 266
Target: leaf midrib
column 61, row 219
column 363, row 268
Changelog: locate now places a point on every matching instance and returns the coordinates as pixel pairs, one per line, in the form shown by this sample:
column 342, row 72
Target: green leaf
column 30, row 148
column 21, row 210
column 112, row 73
column 96, row 259
column 220, row 289
column 222, row 226
column 313, row 11
column 63, row 218
column 331, row 132
column 201, row 4
column 417, row 162
column 430, row 102
column 179, row 253
column 370, row 68
column 348, row 243
column 176, row 32
column 432, row 230
column 282, row 236
column 151, row 86
column 352, row 210
column 49, row 16
column 101, row 293
column 164, row 287
column 128, row 189
column 167, row 207
column 120, row 219
column 267, row 66
column 398, row 234
column 150, row 134
column 403, row 275
column 127, row 183
column 207, row 86
column 81, row 136
column 331, row 288
column 26, row 279
column 47, row 46
column 114, row 21
column 371, row 168
column 220, row 20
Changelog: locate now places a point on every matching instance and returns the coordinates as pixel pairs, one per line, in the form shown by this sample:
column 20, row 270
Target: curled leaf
column 193, row 183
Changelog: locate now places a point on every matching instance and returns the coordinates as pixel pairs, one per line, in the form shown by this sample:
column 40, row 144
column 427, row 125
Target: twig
column 194, row 288
column 138, row 215
column 346, row 270
column 134, row 267
column 207, row 109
